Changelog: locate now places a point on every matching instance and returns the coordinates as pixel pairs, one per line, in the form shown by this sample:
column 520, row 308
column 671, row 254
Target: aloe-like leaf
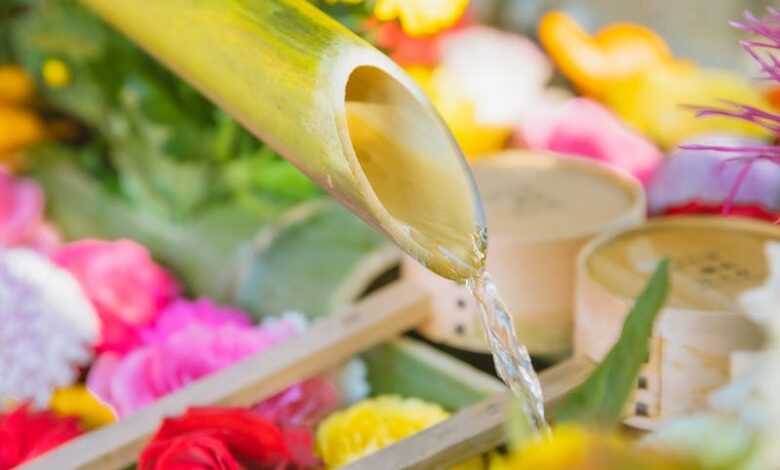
column 603, row 396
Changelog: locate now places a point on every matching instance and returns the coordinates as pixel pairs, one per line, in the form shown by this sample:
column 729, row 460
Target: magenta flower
column 188, row 341
column 180, row 314
column 763, row 51
column 581, row 127
column 126, row 286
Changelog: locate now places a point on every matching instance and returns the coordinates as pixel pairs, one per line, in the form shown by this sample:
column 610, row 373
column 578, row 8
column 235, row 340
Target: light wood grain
column 541, row 210
column 713, row 260
column 326, row 344
column 472, row 431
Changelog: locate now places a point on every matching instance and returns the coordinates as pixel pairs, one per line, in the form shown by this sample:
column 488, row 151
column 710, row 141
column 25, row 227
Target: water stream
column 513, row 363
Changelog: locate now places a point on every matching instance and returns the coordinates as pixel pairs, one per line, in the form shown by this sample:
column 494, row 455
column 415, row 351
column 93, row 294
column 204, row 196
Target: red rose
column 407, row 50
column 25, row 434
column 753, row 211
column 223, row 439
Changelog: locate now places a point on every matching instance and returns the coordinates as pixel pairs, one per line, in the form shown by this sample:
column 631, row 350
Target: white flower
column 503, row 74
column 47, row 327
column 753, row 396
column 352, row 381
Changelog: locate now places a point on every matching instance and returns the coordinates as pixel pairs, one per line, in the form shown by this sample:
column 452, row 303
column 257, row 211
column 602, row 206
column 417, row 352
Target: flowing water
column 513, row 363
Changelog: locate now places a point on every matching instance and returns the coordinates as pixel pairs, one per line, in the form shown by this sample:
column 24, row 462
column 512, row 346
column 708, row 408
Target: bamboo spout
column 334, row 106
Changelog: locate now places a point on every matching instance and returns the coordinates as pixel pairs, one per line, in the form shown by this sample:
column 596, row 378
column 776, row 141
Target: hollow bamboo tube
column 337, row 108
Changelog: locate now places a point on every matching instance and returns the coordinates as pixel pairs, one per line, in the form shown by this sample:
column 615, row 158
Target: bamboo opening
column 413, row 166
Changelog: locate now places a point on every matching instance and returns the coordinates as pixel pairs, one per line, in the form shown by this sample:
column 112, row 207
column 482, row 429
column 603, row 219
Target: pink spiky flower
column 762, row 47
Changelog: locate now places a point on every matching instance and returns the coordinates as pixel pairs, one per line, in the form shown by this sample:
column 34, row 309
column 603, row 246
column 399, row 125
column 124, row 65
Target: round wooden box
column 700, row 331
column 541, row 209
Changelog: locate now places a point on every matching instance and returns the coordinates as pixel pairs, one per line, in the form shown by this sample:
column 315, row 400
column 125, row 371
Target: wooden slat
column 326, row 344
column 472, row 431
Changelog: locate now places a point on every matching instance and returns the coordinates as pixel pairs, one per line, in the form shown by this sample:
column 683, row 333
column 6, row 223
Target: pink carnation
column 187, row 342
column 180, row 313
column 582, row 127
column 126, row 286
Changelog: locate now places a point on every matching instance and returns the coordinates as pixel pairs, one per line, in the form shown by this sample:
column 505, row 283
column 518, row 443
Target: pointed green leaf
column 603, row 396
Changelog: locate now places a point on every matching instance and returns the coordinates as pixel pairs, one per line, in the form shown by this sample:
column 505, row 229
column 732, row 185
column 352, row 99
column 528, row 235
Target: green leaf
column 603, row 396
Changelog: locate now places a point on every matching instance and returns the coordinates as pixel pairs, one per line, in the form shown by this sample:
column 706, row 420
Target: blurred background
column 693, row 28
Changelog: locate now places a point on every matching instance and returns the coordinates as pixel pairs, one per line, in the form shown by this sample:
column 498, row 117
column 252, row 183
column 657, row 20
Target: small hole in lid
column 642, row 383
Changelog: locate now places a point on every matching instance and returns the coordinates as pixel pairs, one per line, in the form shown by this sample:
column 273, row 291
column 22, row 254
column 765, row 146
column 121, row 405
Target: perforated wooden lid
column 713, row 259
column 536, row 196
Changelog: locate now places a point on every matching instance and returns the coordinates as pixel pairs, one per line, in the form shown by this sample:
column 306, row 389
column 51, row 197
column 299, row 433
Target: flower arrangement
column 108, row 308
column 96, row 329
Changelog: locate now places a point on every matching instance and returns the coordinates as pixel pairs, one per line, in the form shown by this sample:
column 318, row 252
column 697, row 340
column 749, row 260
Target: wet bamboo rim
column 535, row 271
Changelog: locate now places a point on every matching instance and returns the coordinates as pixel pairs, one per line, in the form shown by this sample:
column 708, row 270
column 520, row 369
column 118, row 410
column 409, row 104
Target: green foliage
column 153, row 140
column 603, row 396
column 351, row 15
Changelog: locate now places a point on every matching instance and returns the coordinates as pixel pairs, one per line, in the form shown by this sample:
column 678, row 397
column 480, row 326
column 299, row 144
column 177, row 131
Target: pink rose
column 21, row 209
column 127, row 288
column 582, row 127
column 186, row 343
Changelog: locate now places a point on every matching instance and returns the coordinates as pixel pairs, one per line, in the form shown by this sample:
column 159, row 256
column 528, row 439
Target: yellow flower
column 18, row 129
column 16, row 87
column 79, row 402
column 56, row 73
column 653, row 102
column 421, row 17
column 459, row 113
column 572, row 447
column 376, row 423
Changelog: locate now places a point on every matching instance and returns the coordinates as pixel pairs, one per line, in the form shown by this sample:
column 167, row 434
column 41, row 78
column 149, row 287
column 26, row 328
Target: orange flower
column 593, row 62
column 16, row 87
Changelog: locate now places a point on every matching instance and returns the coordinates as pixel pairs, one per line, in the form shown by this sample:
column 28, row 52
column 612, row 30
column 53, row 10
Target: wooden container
column 713, row 261
column 541, row 209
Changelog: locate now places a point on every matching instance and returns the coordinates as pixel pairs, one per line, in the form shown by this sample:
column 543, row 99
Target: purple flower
column 713, row 177
column 763, row 50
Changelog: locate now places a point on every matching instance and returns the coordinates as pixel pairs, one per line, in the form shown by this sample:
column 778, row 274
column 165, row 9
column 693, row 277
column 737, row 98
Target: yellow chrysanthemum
column 16, row 87
column 79, row 402
column 459, row 113
column 421, row 17
column 376, row 423
column 574, row 448
column 56, row 73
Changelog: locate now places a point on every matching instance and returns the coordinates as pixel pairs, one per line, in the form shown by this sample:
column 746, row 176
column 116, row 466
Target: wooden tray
column 399, row 367
column 713, row 260
column 403, row 367
column 541, row 209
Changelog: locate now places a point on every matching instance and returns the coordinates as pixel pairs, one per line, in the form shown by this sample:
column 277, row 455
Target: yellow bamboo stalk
column 334, row 106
